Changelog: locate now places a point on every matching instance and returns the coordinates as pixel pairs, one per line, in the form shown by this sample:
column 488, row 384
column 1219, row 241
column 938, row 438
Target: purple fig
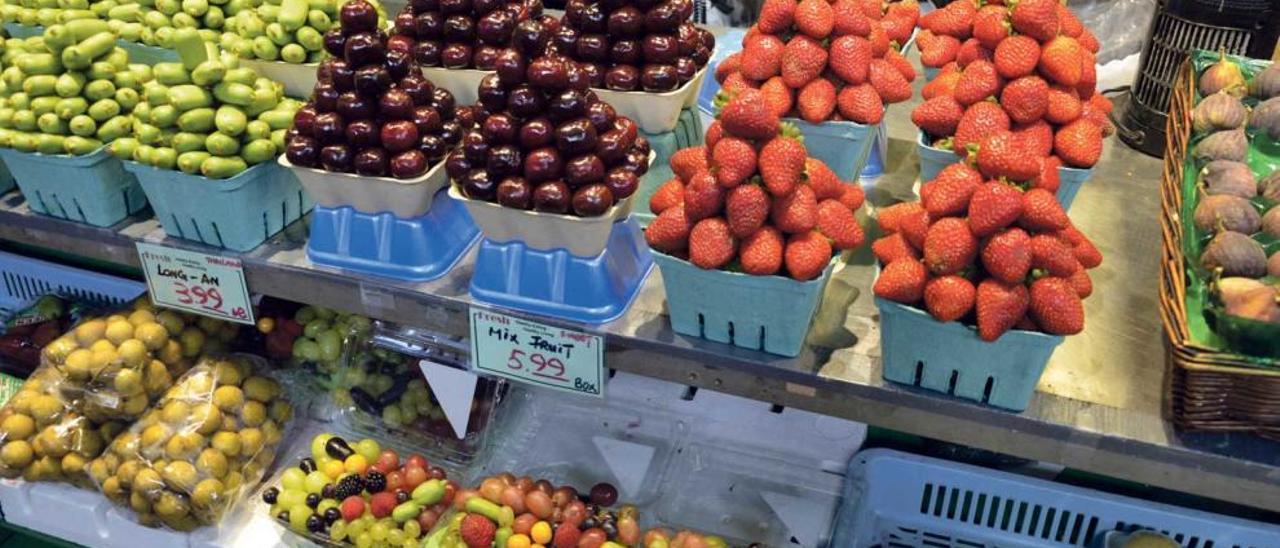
column 1223, row 145
column 1266, row 84
column 1273, row 265
column 1217, row 112
column 1224, row 75
column 1248, row 298
column 1266, row 118
column 1271, row 223
column 1225, row 212
column 1228, row 177
column 1269, row 186
column 1236, row 255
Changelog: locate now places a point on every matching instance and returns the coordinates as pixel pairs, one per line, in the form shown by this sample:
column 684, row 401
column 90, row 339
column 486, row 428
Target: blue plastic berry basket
column 1002, row 373
column 6, row 179
column 92, row 189
column 897, row 499
column 688, row 133
column 23, row 280
column 238, row 213
column 843, row 146
column 416, row 249
column 555, row 283
column 711, row 304
column 933, row 160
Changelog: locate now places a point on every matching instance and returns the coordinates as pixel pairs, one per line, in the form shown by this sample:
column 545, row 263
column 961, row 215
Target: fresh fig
column 1269, row 186
column 1266, row 84
column 1228, row 177
column 1217, row 112
column 1224, row 75
column 1271, row 223
column 1266, row 118
column 1236, row 255
column 1273, row 265
column 1223, row 145
column 1249, row 298
column 1226, row 212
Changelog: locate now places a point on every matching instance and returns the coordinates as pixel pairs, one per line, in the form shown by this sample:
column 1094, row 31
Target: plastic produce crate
column 6, row 179
column 23, row 280
column 932, row 160
column 89, row 519
column 898, row 500
column 92, row 189
column 237, row 213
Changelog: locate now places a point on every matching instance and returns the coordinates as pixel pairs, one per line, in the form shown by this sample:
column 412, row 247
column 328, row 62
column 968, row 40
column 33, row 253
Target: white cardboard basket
column 404, row 198
column 581, row 236
column 655, row 112
column 298, row 79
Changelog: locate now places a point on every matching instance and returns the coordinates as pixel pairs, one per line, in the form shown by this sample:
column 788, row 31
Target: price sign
column 534, row 353
column 209, row 285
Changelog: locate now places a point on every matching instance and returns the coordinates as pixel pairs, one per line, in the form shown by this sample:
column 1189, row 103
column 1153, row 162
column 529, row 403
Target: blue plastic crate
column 688, row 133
column 23, row 280
column 710, row 304
column 557, row 284
column 237, row 213
column 1002, row 373
column 933, row 160
column 93, row 189
column 897, row 499
column 417, row 249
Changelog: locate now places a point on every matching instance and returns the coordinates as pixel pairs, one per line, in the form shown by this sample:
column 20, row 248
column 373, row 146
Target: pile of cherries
column 467, row 33
column 627, row 45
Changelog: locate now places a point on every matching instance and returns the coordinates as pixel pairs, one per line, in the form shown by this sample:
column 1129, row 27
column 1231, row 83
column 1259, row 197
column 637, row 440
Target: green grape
column 298, row 515
column 395, row 537
column 288, row 498
column 338, row 530
column 317, row 447
column 391, row 415
column 412, row 529
column 324, row 313
column 369, row 448
column 292, row 478
column 364, row 540
column 330, row 345
column 316, row 481
column 306, row 349
column 356, row 527
column 408, row 411
column 313, row 329
column 378, row 530
column 326, row 504
column 305, row 315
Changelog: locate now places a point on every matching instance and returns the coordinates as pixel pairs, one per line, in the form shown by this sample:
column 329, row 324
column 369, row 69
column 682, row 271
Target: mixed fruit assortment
column 1036, row 60
column 753, row 200
column 469, row 34
column 822, row 60
column 360, row 494
column 371, row 112
column 649, row 45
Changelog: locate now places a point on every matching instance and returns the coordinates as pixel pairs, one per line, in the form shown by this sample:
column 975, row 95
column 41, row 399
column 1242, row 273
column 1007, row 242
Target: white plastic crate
column 895, row 499
column 88, row 518
column 23, row 279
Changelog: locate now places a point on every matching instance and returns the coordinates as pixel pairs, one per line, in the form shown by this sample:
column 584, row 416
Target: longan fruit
column 17, row 427
column 175, row 412
column 20, row 403
column 261, row 389
column 171, row 353
column 102, row 359
column 58, row 350
column 127, row 471
column 139, row 503
column 193, row 341
column 228, row 398
column 17, row 454
column 271, row 434
column 154, row 435
column 141, row 316
column 153, row 335
column 156, row 379
column 127, row 382
column 171, row 321
column 111, row 487
column 233, row 481
column 133, row 353
column 45, row 409
column 98, row 471
column 251, row 441
column 253, row 414
column 206, row 417
column 78, row 364
column 91, row 442
column 147, row 481
column 180, row 476
column 207, row 493
column 199, row 385
column 227, row 442
column 90, row 331
column 119, row 331
column 281, row 411
column 135, row 405
column 226, row 373
column 73, row 464
column 212, row 463
column 102, row 345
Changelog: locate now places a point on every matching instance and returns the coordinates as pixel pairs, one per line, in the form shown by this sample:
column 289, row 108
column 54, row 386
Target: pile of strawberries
column 752, row 200
column 820, row 60
column 984, row 251
column 1026, row 70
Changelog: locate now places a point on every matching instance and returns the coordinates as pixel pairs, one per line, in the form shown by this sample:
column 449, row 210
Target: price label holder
column 199, row 283
column 537, row 354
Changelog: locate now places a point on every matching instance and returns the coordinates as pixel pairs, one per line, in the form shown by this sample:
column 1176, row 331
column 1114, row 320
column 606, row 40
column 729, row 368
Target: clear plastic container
column 382, row 391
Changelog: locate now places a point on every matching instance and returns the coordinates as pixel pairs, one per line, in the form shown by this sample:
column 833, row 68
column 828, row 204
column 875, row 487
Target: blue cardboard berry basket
column 238, row 213
column 92, row 189
column 688, row 133
column 843, row 146
column 933, row 160
column 1002, row 373
column 6, row 179
column 769, row 313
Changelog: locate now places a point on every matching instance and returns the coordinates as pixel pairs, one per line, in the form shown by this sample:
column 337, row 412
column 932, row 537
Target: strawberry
column 956, row 19
column 889, row 248
column 735, row 83
column 949, row 298
column 1041, row 212
column 849, row 19
column 991, row 25
column 733, row 160
column 1068, row 23
column 687, row 162
column 978, row 81
column 747, row 116
column 948, row 195
column 898, row 29
column 807, row 254
column 915, row 227
column 796, row 212
column 1036, row 136
column 1079, row 143
column 972, row 50
column 711, row 245
column 938, row 116
column 762, row 59
column 1063, row 107
column 1048, row 253
column 822, row 180
column 837, row 223
column 1089, row 42
column 781, row 164
column 872, row 9
column 850, row 58
column 901, row 63
column 803, row 60
column 814, row 18
column 746, row 207
column 776, row 16
column 476, row 531
column 880, row 42
column 942, row 84
column 761, row 251
column 728, row 66
column 777, row 96
column 890, row 218
column 816, row 100
column 1083, row 249
column 1015, row 57
column 979, row 120
column 852, row 195
column 1060, row 60
column 860, row 104
column 1036, row 18
column 941, row 50
column 994, row 206
column 1007, row 256
column 702, row 197
column 669, row 195
column 1001, row 154
column 1049, row 178
column 888, row 82
column 1092, row 113
column 999, row 306
column 714, row 132
column 949, row 246
column 1056, row 306
column 1026, row 324
column 908, row 10
column 1025, row 99
column 902, row 281
column 1082, row 283
column 669, row 231
column 1088, row 83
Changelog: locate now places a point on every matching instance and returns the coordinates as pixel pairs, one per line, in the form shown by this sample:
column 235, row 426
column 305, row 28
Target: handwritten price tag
column 209, row 285
column 534, row 353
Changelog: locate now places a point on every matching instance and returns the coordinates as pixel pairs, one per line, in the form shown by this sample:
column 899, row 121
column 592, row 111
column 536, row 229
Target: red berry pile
column 627, row 46
column 548, row 143
column 753, row 195
column 826, row 61
column 467, row 33
column 371, row 112
column 986, row 252
column 1036, row 60
column 538, row 513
